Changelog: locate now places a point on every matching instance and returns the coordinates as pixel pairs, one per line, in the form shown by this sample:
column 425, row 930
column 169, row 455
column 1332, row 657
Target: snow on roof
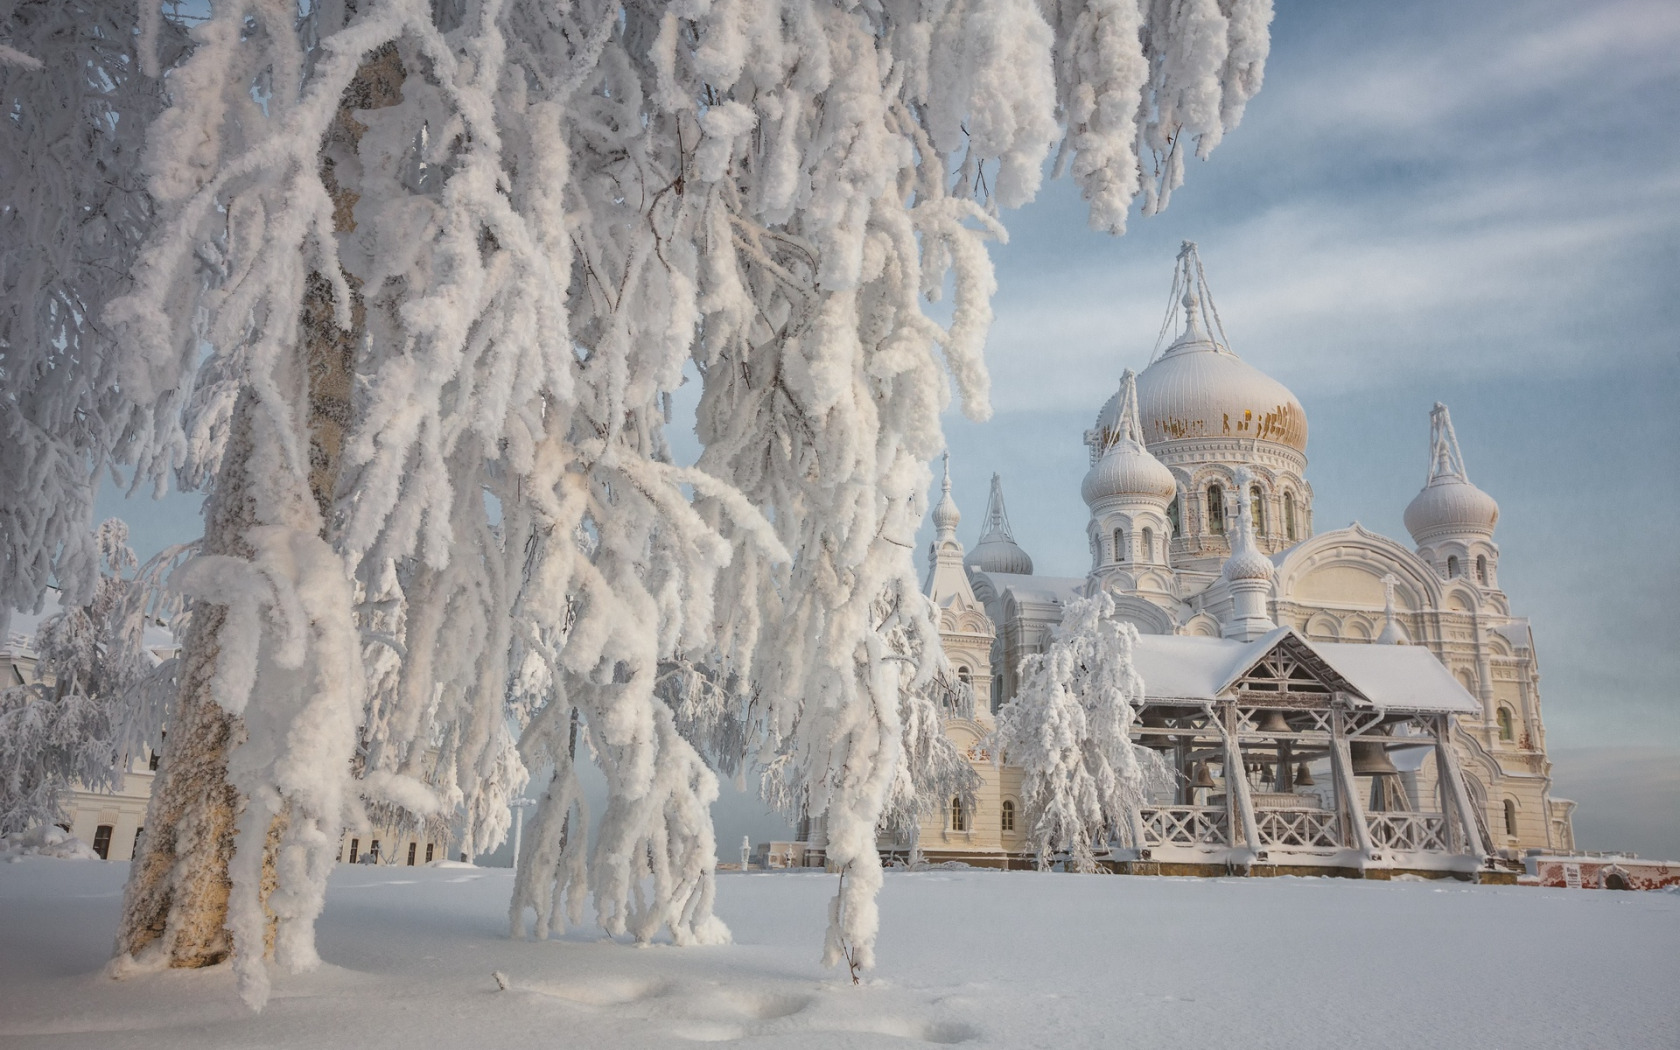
column 1184, row 667
column 1058, row 590
column 1517, row 632
column 1401, row 677
column 1397, row 677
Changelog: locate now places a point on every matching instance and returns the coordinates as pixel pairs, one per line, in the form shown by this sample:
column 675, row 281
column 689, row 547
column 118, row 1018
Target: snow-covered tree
column 1068, row 730
column 449, row 261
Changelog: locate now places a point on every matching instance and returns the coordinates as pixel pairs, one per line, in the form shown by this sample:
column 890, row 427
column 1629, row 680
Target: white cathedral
column 1337, row 701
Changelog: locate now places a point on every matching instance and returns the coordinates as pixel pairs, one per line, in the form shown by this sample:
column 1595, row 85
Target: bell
column 1274, row 722
column 1204, row 776
column 1303, row 776
column 1154, row 719
column 1370, row 759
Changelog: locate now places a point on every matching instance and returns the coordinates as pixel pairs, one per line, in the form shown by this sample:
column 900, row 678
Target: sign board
column 1572, row 876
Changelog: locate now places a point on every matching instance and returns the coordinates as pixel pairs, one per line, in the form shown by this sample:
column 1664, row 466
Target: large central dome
column 1200, row 389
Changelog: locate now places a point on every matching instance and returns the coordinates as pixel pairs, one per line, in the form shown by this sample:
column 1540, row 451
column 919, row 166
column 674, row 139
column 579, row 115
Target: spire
column 1192, row 298
column 997, row 519
column 1392, row 632
column 946, row 516
column 1445, row 460
column 1128, row 426
column 946, row 580
column 997, row 550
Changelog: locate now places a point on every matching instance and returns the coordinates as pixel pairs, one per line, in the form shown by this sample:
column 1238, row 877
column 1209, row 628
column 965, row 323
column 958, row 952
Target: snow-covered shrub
column 44, row 840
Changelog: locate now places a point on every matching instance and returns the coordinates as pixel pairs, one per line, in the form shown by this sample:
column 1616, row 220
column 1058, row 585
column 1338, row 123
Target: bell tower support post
column 1347, row 787
column 1451, row 778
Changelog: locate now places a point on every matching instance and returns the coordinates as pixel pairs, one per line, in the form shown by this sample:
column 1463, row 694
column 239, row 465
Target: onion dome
column 1122, row 466
column 1449, row 504
column 1198, row 388
column 946, row 516
column 1246, row 562
column 997, row 550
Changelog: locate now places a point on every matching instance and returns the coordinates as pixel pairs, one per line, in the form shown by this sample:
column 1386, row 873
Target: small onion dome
column 998, row 553
column 945, row 513
column 1393, row 634
column 1247, row 563
column 1450, row 505
column 1127, row 469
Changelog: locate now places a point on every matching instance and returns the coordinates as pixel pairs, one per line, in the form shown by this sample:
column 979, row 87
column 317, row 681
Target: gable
column 1289, row 672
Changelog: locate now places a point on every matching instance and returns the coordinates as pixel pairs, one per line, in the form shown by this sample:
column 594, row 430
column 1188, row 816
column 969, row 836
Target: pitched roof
column 1391, row 677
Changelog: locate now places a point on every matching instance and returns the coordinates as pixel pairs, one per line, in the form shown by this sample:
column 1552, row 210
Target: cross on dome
column 1191, row 298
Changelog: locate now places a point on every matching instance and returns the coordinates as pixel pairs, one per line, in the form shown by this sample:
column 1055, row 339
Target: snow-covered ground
column 981, row 958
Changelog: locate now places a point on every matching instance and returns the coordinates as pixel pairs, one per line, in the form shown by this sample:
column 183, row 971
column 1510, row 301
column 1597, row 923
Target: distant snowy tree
column 449, row 262
column 82, row 717
column 1068, row 731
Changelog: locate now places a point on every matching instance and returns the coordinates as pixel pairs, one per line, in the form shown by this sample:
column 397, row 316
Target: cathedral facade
column 1332, row 699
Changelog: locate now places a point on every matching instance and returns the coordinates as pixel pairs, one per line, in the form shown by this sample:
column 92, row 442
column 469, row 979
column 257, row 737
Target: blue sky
column 1471, row 203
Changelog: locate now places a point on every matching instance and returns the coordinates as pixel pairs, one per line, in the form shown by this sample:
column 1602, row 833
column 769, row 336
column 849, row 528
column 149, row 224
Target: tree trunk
column 176, row 899
column 175, row 902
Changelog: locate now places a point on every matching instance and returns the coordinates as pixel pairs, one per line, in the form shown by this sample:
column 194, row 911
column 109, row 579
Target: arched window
column 1148, row 544
column 1216, row 510
column 959, row 821
column 1119, row 546
column 1481, row 569
column 1289, row 514
column 1452, row 566
column 997, row 693
column 1257, row 505
column 1172, row 517
column 1510, row 818
column 1008, row 819
column 1507, row 730
column 965, row 676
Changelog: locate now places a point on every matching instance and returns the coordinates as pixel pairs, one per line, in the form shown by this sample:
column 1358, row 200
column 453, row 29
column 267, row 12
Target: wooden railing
column 1302, row 828
column 1408, row 832
column 1185, row 826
